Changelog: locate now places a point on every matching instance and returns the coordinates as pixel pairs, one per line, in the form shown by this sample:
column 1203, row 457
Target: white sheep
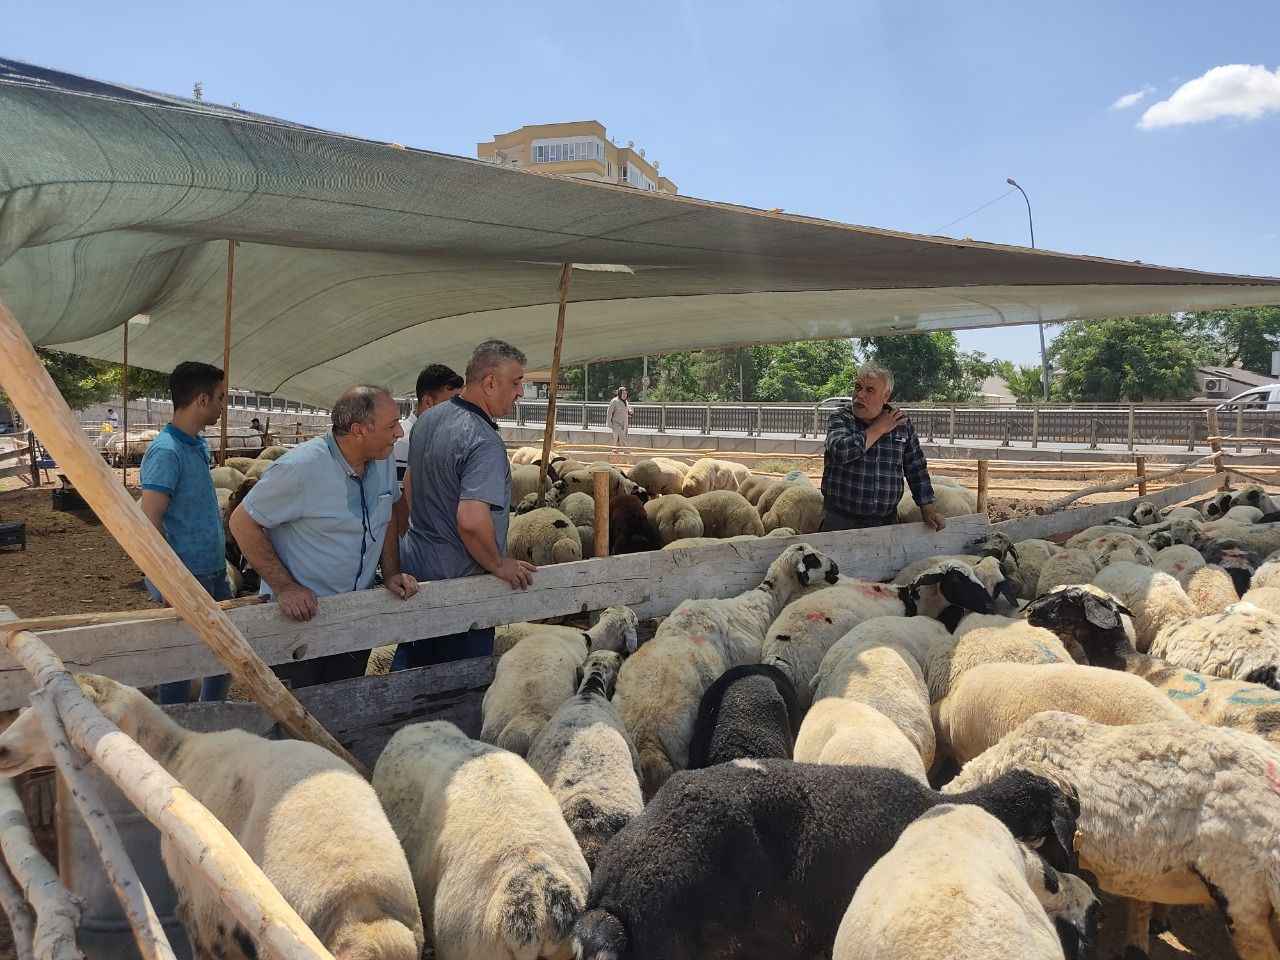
column 1211, row 590
column 661, row 684
column 226, row 478
column 1267, row 575
column 799, row 507
column 1241, row 643
column 524, row 455
column 710, row 474
column 862, row 667
column 584, row 756
column 1268, row 598
column 726, row 513
column 1114, row 547
column 754, row 486
column 675, row 517
column 583, row 480
column 659, row 475
column 953, row 500
column 1180, row 562
column 957, row 884
column 311, row 822
column 543, row 536
column 508, row 635
column 991, row 699
column 840, row 731
column 773, row 490
column 1169, row 812
column 1029, row 557
column 1155, row 598
column 499, row 874
column 687, row 543
column 1244, row 514
column 580, row 508
column 1070, row 565
column 1015, row 642
column 541, row 672
column 524, row 481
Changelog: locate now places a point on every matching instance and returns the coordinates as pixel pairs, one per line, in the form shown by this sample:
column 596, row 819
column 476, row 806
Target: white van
column 1259, row 398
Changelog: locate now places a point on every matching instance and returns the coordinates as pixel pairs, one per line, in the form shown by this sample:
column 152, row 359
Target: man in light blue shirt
column 316, row 522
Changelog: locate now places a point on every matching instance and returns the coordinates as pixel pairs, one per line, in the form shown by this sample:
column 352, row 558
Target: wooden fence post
column 1219, row 467
column 1035, row 426
column 1239, row 427
column 1131, row 426
column 1141, row 465
column 982, row 486
column 1093, row 433
column 35, row 460
column 601, row 480
column 952, row 425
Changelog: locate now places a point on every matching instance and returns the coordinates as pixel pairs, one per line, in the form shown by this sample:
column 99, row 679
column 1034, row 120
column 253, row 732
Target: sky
column 1140, row 130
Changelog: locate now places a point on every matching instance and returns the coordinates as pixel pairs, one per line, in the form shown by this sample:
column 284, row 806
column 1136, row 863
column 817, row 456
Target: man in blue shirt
column 316, row 522
column 178, row 497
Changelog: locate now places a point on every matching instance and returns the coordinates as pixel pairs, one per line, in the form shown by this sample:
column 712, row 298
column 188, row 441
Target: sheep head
column 1086, row 616
column 23, row 746
column 948, row 583
column 600, row 673
column 615, row 631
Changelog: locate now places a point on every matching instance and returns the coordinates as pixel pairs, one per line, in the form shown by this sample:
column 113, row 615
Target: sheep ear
column 1012, row 552
column 964, row 592
column 927, row 579
column 1009, row 590
column 909, row 596
column 1100, row 614
column 951, row 616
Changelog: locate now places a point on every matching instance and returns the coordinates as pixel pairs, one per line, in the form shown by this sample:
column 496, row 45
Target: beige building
column 578, row 149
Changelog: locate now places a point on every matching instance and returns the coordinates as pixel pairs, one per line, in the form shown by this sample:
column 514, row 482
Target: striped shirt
column 858, row 481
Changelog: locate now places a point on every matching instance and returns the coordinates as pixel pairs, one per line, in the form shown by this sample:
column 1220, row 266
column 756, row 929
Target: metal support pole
column 662, row 418
column 706, row 425
column 124, row 410
column 951, row 425
column 226, row 346
column 1035, row 426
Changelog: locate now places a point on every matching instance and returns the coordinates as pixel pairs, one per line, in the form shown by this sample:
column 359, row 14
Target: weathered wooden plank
column 20, row 452
column 1071, row 521
column 14, row 470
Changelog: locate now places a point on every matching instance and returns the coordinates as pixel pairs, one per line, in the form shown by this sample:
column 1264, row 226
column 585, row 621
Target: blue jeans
column 456, row 646
column 211, row 688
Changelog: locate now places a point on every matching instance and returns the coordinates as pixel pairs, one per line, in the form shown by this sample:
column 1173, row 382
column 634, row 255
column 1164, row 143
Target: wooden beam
column 148, row 651
column 1140, row 467
column 982, row 486
column 57, row 912
column 226, row 346
column 601, row 479
column 1124, row 483
column 27, row 383
column 22, row 924
column 549, row 428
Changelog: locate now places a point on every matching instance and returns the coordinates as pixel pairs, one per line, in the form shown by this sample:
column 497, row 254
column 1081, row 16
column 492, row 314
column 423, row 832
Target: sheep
column 585, row 757
column 1172, row 813
column 1180, row 562
column 1101, row 625
column 840, row 731
column 541, row 672
column 1184, row 513
column 1145, row 513
column 525, row 455
column 1237, row 559
column 1260, row 539
column 238, row 463
column 1253, row 495
column 726, row 513
column 1155, row 598
column 751, row 711
column 991, row 699
column 660, row 686
column 1268, row 598
column 1244, row 514
column 1114, row 547
column 754, row 486
column 709, row 474
column 258, row 468
column 581, row 511
column 1017, row 642
column 524, row 481
column 583, row 480
column 1268, row 574
column 989, row 570
column 1066, row 566
column 675, row 517
column 770, row 494
column 1242, row 643
column 1029, row 558
column 498, row 872
column 957, row 884
column 686, row 543
column 630, row 529
column 1210, row 590
column 953, row 500
column 508, row 635
column 543, row 536
column 273, row 453
column 799, row 507
column 659, row 475
column 1179, row 530
column 862, row 667
column 760, row 858
column 309, row 820
column 945, row 591
column 226, row 478
column 1216, row 506
column 1078, row 541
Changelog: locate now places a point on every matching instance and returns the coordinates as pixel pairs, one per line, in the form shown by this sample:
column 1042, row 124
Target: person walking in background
column 178, row 497
column 317, row 522
column 619, row 417
column 460, row 496
column 436, row 384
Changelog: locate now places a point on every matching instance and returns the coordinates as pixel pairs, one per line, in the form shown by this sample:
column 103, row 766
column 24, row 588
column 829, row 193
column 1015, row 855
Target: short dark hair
column 437, row 377
column 191, row 379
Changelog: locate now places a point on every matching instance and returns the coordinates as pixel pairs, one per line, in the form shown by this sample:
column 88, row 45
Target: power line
column 975, row 210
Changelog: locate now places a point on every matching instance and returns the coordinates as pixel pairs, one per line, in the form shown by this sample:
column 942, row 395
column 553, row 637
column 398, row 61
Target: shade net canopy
column 361, row 261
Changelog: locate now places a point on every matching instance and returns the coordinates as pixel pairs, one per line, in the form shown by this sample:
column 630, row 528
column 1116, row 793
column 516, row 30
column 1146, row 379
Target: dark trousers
column 833, row 519
column 338, row 666
column 457, row 646
column 211, row 688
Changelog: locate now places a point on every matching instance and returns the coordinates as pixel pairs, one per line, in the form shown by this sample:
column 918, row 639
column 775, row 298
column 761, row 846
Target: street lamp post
column 1044, row 359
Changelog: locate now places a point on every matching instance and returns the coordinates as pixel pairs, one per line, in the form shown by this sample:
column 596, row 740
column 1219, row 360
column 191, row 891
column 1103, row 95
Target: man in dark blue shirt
column 871, row 455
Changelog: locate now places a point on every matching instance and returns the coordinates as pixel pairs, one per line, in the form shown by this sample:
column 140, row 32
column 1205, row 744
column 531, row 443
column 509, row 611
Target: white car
column 1259, row 398
column 835, row 403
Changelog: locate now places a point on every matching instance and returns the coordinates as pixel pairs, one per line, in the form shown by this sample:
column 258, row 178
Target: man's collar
column 179, row 434
column 468, row 405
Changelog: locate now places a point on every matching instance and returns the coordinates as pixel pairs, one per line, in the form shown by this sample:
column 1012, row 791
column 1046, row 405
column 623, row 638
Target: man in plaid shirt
column 870, row 449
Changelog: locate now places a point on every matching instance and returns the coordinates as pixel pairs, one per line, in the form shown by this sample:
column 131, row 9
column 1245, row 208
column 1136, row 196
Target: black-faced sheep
column 760, row 858
column 309, row 820
column 543, row 536
column 630, row 529
column 1216, row 506
column 661, row 684
column 726, row 513
column 584, row 756
column 499, row 875
column 1237, row 559
column 659, row 475
column 1254, row 495
column 847, row 732
column 1175, row 813
column 957, row 884
column 749, row 712
column 710, row 474
column 675, row 517
column 525, row 455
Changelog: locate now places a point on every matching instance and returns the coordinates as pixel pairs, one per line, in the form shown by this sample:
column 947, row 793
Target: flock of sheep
column 946, row 765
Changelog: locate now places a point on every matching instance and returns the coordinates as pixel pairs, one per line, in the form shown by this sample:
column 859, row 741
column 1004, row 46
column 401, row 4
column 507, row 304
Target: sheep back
column 798, row 507
column 840, row 731
column 675, row 517
column 659, row 475
column 726, row 513
column 710, row 474
column 530, row 681
column 750, row 711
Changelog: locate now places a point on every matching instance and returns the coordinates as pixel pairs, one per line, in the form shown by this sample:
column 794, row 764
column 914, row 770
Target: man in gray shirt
column 461, row 496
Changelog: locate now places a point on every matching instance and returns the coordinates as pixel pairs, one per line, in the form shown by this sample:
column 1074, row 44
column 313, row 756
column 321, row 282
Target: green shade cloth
column 361, row 261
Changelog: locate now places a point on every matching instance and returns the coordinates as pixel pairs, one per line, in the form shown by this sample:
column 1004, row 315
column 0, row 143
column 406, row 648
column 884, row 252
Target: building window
column 561, row 151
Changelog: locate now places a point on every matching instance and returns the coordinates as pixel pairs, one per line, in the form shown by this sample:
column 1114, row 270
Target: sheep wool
column 772, row 491
column 1169, row 812
column 1113, row 547
column 1268, row 598
column 314, row 826
column 840, row 731
column 1066, row 566
column 1244, row 514
column 710, row 474
column 585, row 757
column 1255, row 496
column 1156, row 599
column 726, row 513
column 1180, row 562
column 659, row 475
column 992, row 699
column 530, row 681
column 508, row 635
column 675, row 517
column 952, row 501
column 498, row 872
column 581, row 511
column 524, row 481
column 1029, row 558
column 1242, row 643
column 799, row 507
column 1018, row 642
column 957, row 884
column 750, row 712
column 661, row 684
column 543, row 536
column 1267, row 575
column 754, row 487
column 1211, row 590
column 238, row 463
column 259, row 467
column 524, row 455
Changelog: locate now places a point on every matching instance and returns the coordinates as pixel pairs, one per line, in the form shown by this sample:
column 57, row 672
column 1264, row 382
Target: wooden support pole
column 601, row 480
column 982, row 487
column 1140, row 464
column 22, row 924
column 196, row 834
column 549, row 428
column 152, row 941
column 27, row 383
column 1131, row 427
column 1239, row 427
column 57, row 912
column 124, row 411
column 35, row 459
column 226, row 346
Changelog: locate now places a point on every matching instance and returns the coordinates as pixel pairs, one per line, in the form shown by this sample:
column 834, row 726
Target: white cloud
column 1133, row 99
column 1232, row 90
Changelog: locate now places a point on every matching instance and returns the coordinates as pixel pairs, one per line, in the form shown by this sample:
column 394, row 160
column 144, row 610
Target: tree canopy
column 1125, row 358
column 84, row 382
column 1247, row 334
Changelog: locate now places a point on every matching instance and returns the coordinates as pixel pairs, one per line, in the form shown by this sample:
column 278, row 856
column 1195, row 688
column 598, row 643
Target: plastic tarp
column 361, row 261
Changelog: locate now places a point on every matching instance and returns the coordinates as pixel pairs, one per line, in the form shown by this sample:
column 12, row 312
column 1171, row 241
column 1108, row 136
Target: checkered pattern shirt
column 869, row 482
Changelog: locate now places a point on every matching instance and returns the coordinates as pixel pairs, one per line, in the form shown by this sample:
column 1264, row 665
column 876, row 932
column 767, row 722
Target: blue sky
column 895, row 114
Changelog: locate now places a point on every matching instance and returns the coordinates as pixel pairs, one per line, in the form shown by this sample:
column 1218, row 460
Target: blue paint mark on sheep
column 1196, row 681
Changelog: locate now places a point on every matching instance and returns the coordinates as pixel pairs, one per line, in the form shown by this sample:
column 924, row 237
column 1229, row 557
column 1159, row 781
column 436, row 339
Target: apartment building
column 580, row 149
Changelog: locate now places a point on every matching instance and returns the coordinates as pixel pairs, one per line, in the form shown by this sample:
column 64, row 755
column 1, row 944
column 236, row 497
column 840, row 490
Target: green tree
column 1026, row 383
column 929, row 366
column 1125, row 358
column 805, row 371
column 1246, row 334
column 84, row 382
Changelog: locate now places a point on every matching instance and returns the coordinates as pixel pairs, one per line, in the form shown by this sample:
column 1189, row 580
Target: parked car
column 1259, row 398
column 831, row 404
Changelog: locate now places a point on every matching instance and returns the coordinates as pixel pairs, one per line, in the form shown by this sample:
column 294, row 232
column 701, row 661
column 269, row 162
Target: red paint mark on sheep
column 1273, row 777
column 817, row 616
